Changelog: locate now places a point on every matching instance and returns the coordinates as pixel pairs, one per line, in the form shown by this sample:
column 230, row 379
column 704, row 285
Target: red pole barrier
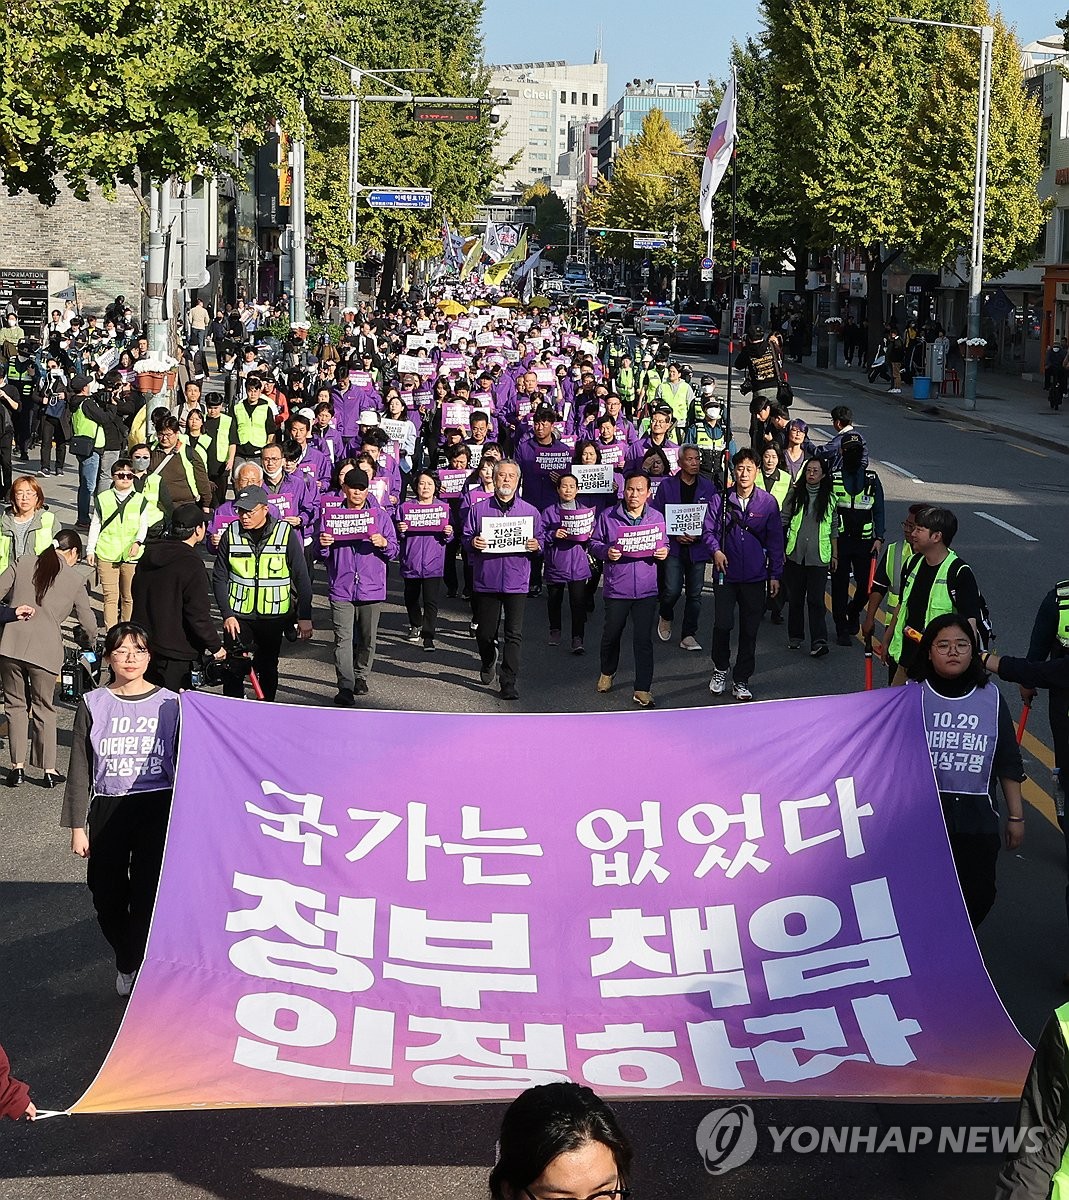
column 257, row 691
column 1023, row 722
column 868, row 640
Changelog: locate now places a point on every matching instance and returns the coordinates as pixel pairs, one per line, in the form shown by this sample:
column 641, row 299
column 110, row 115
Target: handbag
column 82, row 445
column 784, row 393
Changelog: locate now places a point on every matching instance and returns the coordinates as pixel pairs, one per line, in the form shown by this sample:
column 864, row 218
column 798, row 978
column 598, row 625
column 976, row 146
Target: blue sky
column 673, row 42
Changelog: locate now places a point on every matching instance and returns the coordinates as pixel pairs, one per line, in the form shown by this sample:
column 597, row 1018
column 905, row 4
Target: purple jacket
column 303, row 496
column 422, row 554
column 749, row 536
column 329, row 442
column 566, row 559
column 705, row 492
column 317, row 464
column 539, row 488
column 629, row 578
column 357, row 570
column 500, row 572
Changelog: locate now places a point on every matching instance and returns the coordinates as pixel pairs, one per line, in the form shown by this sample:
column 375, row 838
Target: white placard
column 408, row 364
column 685, row 520
column 594, row 478
column 506, row 535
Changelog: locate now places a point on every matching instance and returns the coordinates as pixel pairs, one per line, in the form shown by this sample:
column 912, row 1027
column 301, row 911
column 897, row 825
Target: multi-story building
column 545, row 99
column 678, row 101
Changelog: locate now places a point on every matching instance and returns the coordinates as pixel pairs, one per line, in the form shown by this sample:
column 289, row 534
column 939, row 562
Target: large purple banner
column 756, row 900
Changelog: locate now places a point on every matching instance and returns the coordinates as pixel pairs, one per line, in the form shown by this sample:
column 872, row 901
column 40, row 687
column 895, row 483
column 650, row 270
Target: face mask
column 712, row 413
column 140, row 461
column 274, row 475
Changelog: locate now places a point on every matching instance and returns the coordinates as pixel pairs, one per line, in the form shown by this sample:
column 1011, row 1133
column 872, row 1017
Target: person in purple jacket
column 630, row 583
column 746, row 539
column 356, row 574
column 568, row 526
column 423, row 556
column 311, row 461
column 684, row 568
column 501, row 578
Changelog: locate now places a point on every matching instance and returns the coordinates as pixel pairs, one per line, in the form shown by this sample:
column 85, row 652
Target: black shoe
column 534, row 590
column 429, row 647
column 843, row 639
column 508, row 692
column 360, row 687
column 819, row 650
column 452, row 593
column 777, row 618
column 51, row 779
column 486, row 675
column 15, row 777
column 82, row 525
column 344, row 698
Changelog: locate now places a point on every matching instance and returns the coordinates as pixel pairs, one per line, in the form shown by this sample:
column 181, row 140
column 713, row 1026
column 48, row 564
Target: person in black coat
column 172, row 601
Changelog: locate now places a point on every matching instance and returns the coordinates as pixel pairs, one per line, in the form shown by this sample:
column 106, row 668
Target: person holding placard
column 685, row 500
column 424, row 528
column 747, row 545
column 502, row 535
column 631, row 538
column 357, row 539
column 568, row 526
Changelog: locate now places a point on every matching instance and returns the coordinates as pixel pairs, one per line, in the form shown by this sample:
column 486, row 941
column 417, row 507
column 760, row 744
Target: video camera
column 212, row 672
column 81, row 670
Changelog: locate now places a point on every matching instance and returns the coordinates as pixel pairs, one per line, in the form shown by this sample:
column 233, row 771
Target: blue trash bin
column 922, row 387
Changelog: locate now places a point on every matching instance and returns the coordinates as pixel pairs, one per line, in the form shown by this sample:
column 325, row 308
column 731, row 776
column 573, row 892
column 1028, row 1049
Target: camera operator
column 172, row 601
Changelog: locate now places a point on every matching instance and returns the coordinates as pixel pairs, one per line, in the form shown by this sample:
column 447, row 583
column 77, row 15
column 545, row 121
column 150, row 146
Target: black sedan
column 694, row 329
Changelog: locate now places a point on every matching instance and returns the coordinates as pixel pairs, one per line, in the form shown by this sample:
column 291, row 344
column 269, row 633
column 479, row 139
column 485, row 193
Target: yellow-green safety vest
column 150, row 489
column 222, row 438
column 84, row 426
column 1061, row 594
column 260, row 583
column 677, row 398
column 1059, row 1185
column 824, row 531
column 113, row 544
column 781, row 485
column 252, row 430
column 893, row 564
column 863, row 502
column 42, row 539
column 939, row 601
column 625, row 383
column 199, row 447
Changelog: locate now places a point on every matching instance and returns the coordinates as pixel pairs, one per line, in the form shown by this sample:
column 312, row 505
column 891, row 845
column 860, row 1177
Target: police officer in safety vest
column 858, row 495
column 625, row 384
column 709, row 433
column 887, row 582
column 261, row 584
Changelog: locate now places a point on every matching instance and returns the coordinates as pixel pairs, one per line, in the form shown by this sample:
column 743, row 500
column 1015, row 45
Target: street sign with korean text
column 649, row 243
column 400, row 198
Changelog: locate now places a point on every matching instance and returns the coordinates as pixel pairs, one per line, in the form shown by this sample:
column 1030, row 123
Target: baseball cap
column 79, row 383
column 356, row 478
column 248, row 498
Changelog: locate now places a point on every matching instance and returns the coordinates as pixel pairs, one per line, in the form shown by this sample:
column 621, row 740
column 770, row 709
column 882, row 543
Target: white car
column 653, row 318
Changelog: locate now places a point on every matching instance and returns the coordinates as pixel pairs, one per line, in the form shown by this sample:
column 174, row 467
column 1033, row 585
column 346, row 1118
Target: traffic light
column 604, row 233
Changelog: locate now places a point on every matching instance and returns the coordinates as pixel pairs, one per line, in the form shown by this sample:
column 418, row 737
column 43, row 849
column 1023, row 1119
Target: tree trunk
column 875, row 266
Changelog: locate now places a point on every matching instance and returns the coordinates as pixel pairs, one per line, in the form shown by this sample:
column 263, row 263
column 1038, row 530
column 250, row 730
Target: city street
column 58, row 1010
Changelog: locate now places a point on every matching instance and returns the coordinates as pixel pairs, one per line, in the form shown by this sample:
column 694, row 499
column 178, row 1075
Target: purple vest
column 135, row 741
column 962, row 732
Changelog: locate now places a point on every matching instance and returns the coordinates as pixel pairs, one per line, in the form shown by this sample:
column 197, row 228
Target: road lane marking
column 1025, row 537
column 902, row 471
column 1027, row 450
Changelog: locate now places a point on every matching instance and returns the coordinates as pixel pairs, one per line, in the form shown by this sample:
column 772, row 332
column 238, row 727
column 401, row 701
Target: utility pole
column 299, row 248
column 155, row 326
column 355, row 77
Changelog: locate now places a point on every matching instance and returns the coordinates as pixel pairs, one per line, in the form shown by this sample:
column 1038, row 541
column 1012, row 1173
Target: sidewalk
column 1005, row 404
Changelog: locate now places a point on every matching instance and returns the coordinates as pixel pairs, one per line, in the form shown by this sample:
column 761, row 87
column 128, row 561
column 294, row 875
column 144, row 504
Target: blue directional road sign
column 649, row 243
column 400, row 198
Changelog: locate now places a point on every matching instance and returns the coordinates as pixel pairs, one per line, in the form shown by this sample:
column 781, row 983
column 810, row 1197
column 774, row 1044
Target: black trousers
column 975, row 855
column 805, row 587
column 750, row 600
column 171, row 673
column 126, row 836
column 643, row 614
column 576, row 589
column 263, row 636
column 855, row 558
column 52, row 430
column 488, row 607
column 421, row 600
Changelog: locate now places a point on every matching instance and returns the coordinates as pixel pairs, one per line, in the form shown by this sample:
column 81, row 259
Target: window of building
column 1063, row 255
column 564, row 97
column 538, row 112
column 584, row 98
column 538, row 141
column 538, row 129
column 595, row 100
column 540, row 157
column 573, row 98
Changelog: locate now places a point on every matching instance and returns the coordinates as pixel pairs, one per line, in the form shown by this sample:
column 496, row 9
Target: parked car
column 693, row 329
column 653, row 318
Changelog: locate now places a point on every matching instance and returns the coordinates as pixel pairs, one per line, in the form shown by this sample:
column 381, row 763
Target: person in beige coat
column 31, row 651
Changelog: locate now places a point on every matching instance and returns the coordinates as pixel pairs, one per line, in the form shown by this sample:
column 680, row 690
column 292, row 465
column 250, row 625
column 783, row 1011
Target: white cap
column 369, row 417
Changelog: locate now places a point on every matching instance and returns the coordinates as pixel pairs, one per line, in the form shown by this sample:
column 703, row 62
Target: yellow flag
column 471, row 259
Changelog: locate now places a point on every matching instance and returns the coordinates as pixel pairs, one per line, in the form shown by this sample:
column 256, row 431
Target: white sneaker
column 124, row 982
column 741, row 692
column 664, row 629
column 719, row 682
column 415, row 636
column 689, row 643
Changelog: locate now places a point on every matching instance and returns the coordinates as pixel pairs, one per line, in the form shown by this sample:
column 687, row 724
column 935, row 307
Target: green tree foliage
column 551, row 220
column 102, row 90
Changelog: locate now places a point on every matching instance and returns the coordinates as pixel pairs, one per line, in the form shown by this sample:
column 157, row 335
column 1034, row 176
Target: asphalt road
column 58, row 1010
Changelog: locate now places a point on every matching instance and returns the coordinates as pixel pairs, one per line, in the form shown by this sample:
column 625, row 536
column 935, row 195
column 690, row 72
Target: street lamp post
column 983, row 119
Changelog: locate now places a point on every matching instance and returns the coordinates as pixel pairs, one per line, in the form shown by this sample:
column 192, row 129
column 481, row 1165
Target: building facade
column 545, row 100
column 623, row 121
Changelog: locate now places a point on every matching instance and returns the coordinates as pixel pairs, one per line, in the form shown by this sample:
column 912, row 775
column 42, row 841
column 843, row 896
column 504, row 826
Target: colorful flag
column 492, row 246
column 471, row 260
column 718, row 154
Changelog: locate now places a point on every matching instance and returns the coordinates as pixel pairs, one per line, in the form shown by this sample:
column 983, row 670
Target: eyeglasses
column 946, row 647
column 614, row 1194
column 122, row 475
column 140, row 652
